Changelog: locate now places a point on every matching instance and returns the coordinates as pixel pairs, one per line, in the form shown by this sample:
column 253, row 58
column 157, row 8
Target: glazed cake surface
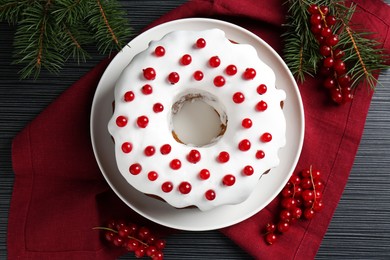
column 229, row 77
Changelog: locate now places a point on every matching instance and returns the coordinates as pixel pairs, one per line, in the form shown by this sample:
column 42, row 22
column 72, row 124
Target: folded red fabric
column 59, row 193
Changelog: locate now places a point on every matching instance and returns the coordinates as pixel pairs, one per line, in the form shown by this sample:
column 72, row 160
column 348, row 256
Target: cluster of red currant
column 333, row 67
column 302, row 196
column 139, row 240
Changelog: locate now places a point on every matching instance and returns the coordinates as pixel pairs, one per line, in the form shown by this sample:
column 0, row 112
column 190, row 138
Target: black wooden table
column 360, row 228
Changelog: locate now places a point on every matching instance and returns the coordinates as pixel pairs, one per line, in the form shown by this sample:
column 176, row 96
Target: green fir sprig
column 49, row 32
column 364, row 57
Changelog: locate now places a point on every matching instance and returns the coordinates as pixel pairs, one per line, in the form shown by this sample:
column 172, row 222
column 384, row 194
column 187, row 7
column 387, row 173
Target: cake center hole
column 198, row 120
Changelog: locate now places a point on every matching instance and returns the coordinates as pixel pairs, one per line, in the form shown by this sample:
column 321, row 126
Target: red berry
column 248, row 170
column 210, row 195
column 328, row 62
column 315, row 19
column 270, row 227
column 288, row 203
column 260, row 154
column 324, row 71
column 339, row 67
column 316, row 29
column 261, row 89
column 308, row 195
column 330, row 20
column 214, row 61
column 246, row 123
column 147, row 89
column 306, row 183
column 326, row 31
column 175, row 164
column 297, row 191
column 324, row 10
column 121, row 121
column 261, row 106
column 338, row 54
column 270, row 238
column 250, row 73
column 194, row 156
column 318, row 184
column 244, row 145
column 238, row 97
column 266, row 137
column 316, row 174
column 159, row 51
column 151, row 250
column 117, row 240
column 223, row 157
column 231, row 70
column 158, row 107
column 347, row 95
column 332, row 40
column 285, row 215
column 308, row 213
column 123, row 231
column 139, row 252
column 185, row 187
column 336, row 95
column 344, row 81
column 186, row 59
column 152, row 175
column 149, row 73
column 127, row 147
column 201, row 43
column 296, row 213
column 283, row 226
column 318, row 205
column 295, row 179
column 313, row 9
column 198, row 75
column 160, row 244
column 204, row 174
column 286, row 192
column 306, row 173
column 158, row 256
column 142, row 121
column 228, row 180
column 167, row 187
column 329, row 82
column 129, row 96
column 173, row 77
column 325, row 50
column 165, row 149
column 219, row 81
column 132, row 245
column 149, row 150
column 109, row 235
column 135, row 168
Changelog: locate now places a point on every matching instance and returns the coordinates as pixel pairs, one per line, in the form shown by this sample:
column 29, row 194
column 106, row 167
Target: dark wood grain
column 360, row 228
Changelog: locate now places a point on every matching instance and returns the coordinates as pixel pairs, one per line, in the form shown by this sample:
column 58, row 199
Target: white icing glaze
column 158, row 130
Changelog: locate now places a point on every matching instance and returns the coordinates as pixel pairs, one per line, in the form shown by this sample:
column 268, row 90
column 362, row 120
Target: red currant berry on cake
column 185, row 187
column 142, row 121
column 158, row 107
column 149, row 73
column 266, row 137
column 338, row 53
column 330, row 20
column 329, row 82
column 270, row 238
column 152, row 175
column 336, row 95
column 219, row 81
column 308, row 213
column 283, row 226
column 339, row 67
column 332, row 40
column 261, row 106
column 238, row 97
column 231, row 70
column 135, row 168
column 159, row 51
column 244, row 145
column 285, row 215
column 325, row 50
column 313, row 9
column 121, row 121
column 324, row 9
column 214, row 61
column 315, row 19
column 260, row 154
column 223, row 157
column 328, row 62
column 250, row 73
column 129, row 96
column 167, row 186
column 198, row 75
column 204, row 174
column 186, row 59
column 201, row 43
column 165, row 149
column 228, row 180
column 326, row 31
column 248, row 170
column 270, row 227
column 296, row 213
column 127, row 147
column 175, row 164
column 173, row 77
column 262, row 89
column 246, row 123
column 194, row 156
column 149, row 150
column 210, row 195
column 147, row 89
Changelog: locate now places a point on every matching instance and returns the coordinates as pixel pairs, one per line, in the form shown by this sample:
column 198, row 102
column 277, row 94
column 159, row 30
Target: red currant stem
column 314, row 187
column 115, row 231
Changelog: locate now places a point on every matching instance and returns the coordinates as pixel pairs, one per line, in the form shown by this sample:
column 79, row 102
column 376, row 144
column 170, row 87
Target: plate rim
column 213, row 24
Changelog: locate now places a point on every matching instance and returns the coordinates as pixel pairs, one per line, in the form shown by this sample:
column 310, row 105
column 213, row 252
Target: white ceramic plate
column 191, row 218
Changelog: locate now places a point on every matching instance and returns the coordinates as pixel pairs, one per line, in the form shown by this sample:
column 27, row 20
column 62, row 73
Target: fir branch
column 11, row 11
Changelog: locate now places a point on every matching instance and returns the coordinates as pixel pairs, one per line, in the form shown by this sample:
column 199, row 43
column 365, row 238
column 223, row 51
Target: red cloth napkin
column 59, row 192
